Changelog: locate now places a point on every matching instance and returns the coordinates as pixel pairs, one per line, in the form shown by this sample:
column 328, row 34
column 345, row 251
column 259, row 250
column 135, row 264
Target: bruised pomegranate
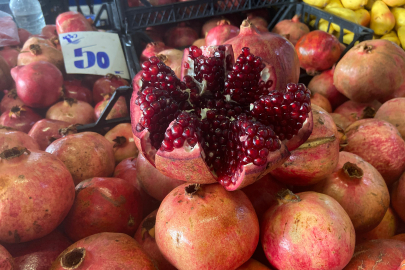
column 86, row 155
column 307, row 230
column 321, row 101
column 6, row 260
column 72, row 111
column 355, row 111
column 207, row 129
column 39, row 84
column 380, row 144
column 5, row 78
column 10, row 100
column 118, row 110
column 35, row 182
column 393, row 112
column 45, row 131
column 10, row 138
column 49, row 31
column 117, row 250
column 152, row 49
column 292, row 29
column 76, row 91
column 370, row 70
column 194, row 223
column 398, row 191
column 123, row 142
column 172, row 58
column 221, row 33
column 180, row 36
column 10, row 55
column 318, row 51
column 360, row 190
column 72, row 21
column 21, row 118
column 107, row 85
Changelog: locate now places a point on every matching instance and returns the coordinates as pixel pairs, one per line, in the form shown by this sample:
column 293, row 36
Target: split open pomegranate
column 224, row 122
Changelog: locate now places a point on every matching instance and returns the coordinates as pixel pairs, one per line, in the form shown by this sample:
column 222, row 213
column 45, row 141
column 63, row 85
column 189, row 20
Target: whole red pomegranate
column 260, row 23
column 323, row 84
column 194, row 223
column 397, row 193
column 72, row 111
column 370, row 70
column 202, row 130
column 380, row 144
column 393, row 112
column 400, row 92
column 360, row 190
column 10, row 55
column 21, row 118
column 279, row 54
column 45, row 131
column 154, row 182
column 107, row 85
column 10, row 138
column 5, row 78
column 39, row 84
column 292, row 29
column 119, row 109
column 103, row 204
column 49, row 31
column 10, row 100
column 252, row 265
column 221, row 33
column 318, row 51
column 86, row 155
column 307, row 230
column 123, row 142
column 316, row 158
column 6, row 260
column 354, row 111
column 172, row 58
column 24, row 35
column 72, row 89
column 340, row 120
column 152, row 49
column 117, row 250
column 180, row 36
column 145, row 236
column 321, row 101
column 72, row 21
column 35, row 182
column 382, row 254
column 211, row 23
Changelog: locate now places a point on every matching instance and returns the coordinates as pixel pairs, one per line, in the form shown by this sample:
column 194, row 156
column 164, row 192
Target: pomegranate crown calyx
column 286, row 196
column 14, row 153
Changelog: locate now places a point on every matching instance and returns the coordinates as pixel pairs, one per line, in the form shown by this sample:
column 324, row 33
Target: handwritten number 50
column 102, row 59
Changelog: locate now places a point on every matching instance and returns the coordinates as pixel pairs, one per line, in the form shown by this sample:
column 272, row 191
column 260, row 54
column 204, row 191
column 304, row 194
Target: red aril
column 24, row 36
column 72, row 111
column 321, row 101
column 49, row 31
column 180, row 36
column 10, row 55
column 119, row 109
column 172, row 58
column 5, row 78
column 10, row 100
column 72, row 21
column 397, row 193
column 393, row 112
column 152, row 49
column 6, row 260
column 10, row 138
column 355, row 111
column 107, row 85
column 45, row 131
column 292, row 29
column 72, row 89
column 123, row 142
column 21, row 118
column 221, row 33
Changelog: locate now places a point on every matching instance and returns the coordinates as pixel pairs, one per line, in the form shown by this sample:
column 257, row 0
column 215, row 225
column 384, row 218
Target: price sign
column 96, row 53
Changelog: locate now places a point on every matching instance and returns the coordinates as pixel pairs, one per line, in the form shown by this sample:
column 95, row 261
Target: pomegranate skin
column 49, row 31
column 121, row 138
column 340, row 120
column 117, row 250
column 72, row 21
column 10, row 100
column 321, row 101
column 400, row 237
column 382, row 254
column 6, row 261
column 86, row 155
column 292, row 29
column 252, row 265
column 10, row 55
column 172, row 58
column 5, row 78
column 370, row 70
column 318, row 51
column 107, row 85
column 220, row 33
column 308, row 230
column 45, row 131
column 393, row 111
column 47, row 195
column 24, row 35
column 355, row 111
column 79, row 92
column 192, row 229
column 39, row 84
column 316, row 158
column 103, row 205
column 360, row 189
column 118, row 110
column 152, row 49
column 260, row 23
column 380, row 144
column 72, row 111
column 180, row 36
column 145, row 236
column 21, row 118
column 13, row 138
column 397, row 193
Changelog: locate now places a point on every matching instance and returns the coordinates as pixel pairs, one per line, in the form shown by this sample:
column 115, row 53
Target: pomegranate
column 10, row 55
column 154, row 182
column 355, row 111
column 10, row 138
column 307, row 230
column 38, row 49
column 400, row 92
column 380, row 144
column 194, row 223
column 323, row 84
column 321, row 101
column 152, row 49
column 121, row 138
column 6, row 260
column 72, row 90
column 72, row 21
column 119, row 109
column 260, row 23
column 5, row 78
column 107, row 85
column 393, row 112
column 35, row 182
column 145, row 236
column 199, row 42
column 24, row 35
column 72, row 111
column 318, row 51
column 49, row 31
column 293, row 29
column 382, row 254
column 21, row 118
column 39, row 84
column 10, row 100
column 172, row 58
column 155, row 33
column 263, row 193
column 316, row 158
column 86, row 155
column 340, row 120
column 360, row 190
column 397, row 193
column 89, row 80
column 252, row 265
column 193, row 128
column 370, row 70
column 211, row 23
column 103, row 204
column 180, row 36
column 45, row 131
column 221, row 33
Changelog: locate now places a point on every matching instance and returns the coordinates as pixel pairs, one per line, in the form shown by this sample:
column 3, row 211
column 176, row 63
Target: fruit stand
column 212, row 134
